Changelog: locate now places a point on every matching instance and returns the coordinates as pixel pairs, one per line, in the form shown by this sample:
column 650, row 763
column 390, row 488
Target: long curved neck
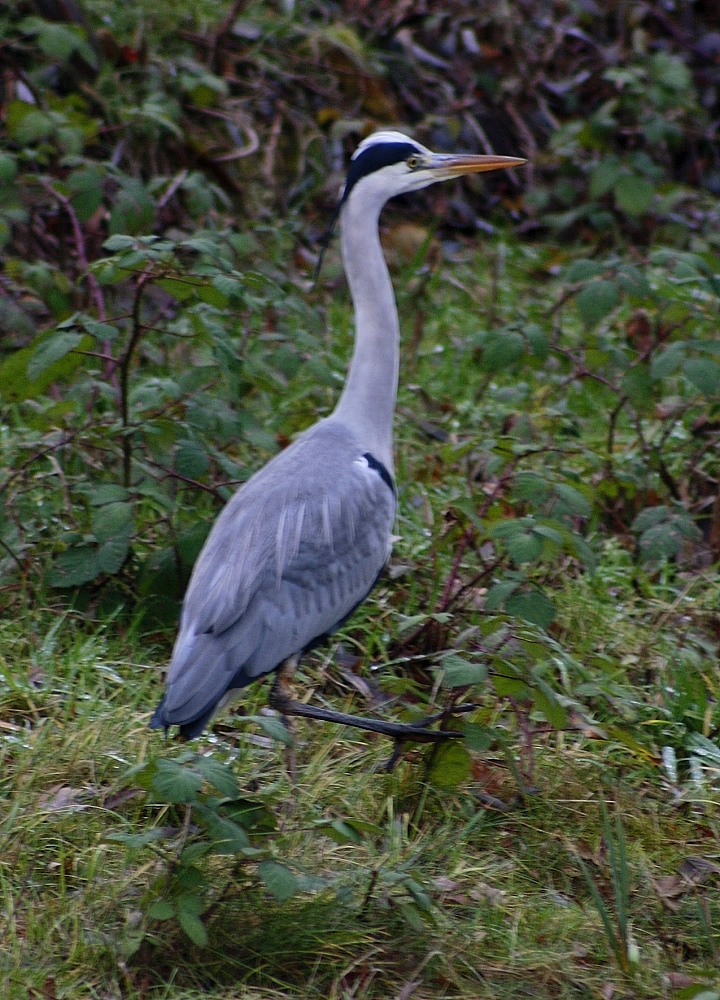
column 367, row 403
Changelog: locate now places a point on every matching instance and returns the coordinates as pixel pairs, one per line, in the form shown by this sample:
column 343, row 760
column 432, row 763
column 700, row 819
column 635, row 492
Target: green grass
column 506, row 911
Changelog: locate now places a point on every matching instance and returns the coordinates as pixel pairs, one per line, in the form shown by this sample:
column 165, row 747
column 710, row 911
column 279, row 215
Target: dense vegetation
column 168, row 171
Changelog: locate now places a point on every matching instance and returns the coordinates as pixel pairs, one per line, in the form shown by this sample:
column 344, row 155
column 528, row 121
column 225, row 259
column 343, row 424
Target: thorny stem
column 125, row 361
column 93, row 284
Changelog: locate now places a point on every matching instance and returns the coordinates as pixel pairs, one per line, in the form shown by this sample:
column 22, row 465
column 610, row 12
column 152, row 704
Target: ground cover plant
column 167, row 174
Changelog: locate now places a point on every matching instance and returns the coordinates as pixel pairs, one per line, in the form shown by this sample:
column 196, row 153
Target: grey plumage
column 302, row 543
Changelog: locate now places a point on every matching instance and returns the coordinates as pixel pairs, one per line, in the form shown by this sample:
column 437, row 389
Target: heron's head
column 389, row 163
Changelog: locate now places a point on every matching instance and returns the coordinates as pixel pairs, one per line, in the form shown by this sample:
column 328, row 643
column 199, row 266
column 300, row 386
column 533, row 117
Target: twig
column 137, row 330
column 93, row 284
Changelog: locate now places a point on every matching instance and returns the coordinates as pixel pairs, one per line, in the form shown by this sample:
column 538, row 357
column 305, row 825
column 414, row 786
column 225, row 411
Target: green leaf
column 111, row 521
column 137, row 840
column 172, row 782
column 112, row 554
column 596, row 300
column 531, row 486
column 538, row 341
column 8, row 169
column 704, row 373
column 219, row 775
column 533, row 606
column 107, row 493
column 634, row 195
column 450, row 765
column 458, row 672
column 602, row 178
column 341, row 832
column 478, row 738
column 191, row 458
column 26, row 124
column 524, row 547
column 507, row 686
column 546, row 702
column 227, row 836
column 274, row 728
column 498, row 594
column 582, row 270
column 193, row 927
column 50, row 350
column 571, row 501
column 638, row 385
column 119, row 242
column 74, row 567
column 279, row 880
column 161, row 910
column 501, row 350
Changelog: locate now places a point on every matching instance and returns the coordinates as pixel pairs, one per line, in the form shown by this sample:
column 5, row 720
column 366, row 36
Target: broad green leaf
column 112, row 554
column 704, row 373
column 227, row 836
column 119, row 242
column 499, row 593
column 508, row 686
column 458, row 672
column 671, row 71
column 51, row 349
column 191, row 458
column 274, row 728
column 219, row 775
column 107, row 493
column 538, row 341
column 546, row 702
column 412, row 917
column 59, row 40
column 501, row 350
column 161, row 910
column 596, row 300
column 583, row 270
column 603, row 177
column 634, row 195
column 278, row 879
column 15, row 385
column 74, row 567
column 172, row 782
column 637, row 383
column 524, row 547
column 251, row 815
column 101, row 331
column 112, row 521
column 478, row 738
column 533, row 607
column 531, row 486
column 572, row 501
column 87, row 191
column 8, row 169
column 450, row 765
column 552, row 534
column 26, row 124
column 341, row 832
column 668, row 361
column 193, row 927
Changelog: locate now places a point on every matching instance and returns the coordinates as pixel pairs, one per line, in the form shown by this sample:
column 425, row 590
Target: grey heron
column 302, row 543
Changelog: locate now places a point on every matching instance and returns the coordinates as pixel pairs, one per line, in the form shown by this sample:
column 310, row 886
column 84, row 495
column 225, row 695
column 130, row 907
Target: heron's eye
column 413, row 162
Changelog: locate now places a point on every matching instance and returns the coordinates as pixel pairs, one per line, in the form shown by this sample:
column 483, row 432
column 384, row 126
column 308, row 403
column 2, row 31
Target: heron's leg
column 281, row 700
column 280, row 697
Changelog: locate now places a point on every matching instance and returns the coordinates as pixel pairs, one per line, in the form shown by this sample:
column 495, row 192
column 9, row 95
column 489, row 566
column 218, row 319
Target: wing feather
column 290, row 557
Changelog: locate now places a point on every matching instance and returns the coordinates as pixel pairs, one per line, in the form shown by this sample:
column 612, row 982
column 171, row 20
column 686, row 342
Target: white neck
column 367, row 403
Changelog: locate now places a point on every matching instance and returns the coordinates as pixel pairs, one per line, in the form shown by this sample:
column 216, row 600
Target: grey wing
column 290, row 557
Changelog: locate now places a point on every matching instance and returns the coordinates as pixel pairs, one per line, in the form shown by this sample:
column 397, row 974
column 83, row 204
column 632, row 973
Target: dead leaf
column 698, row 870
